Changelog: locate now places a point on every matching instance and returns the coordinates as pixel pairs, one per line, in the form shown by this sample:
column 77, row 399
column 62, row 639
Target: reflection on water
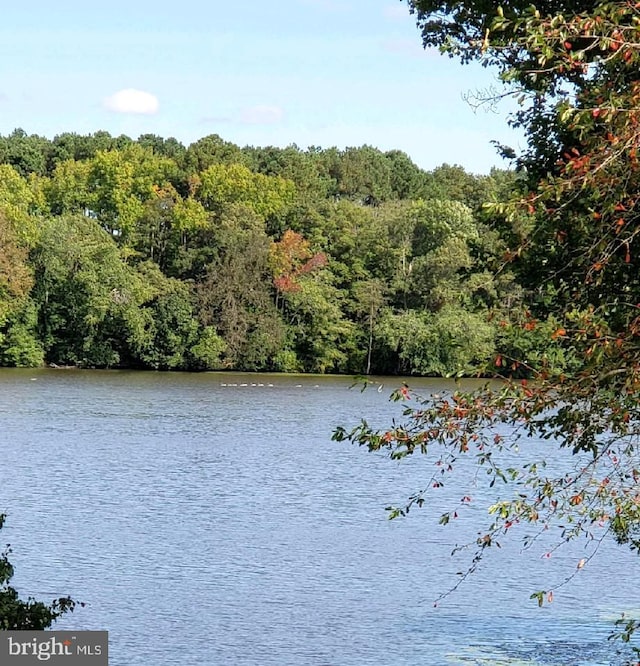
column 208, row 519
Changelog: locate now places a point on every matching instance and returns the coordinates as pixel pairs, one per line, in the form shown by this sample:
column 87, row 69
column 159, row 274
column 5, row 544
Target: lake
column 208, row 519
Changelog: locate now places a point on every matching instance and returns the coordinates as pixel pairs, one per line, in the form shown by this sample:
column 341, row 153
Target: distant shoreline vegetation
column 121, row 253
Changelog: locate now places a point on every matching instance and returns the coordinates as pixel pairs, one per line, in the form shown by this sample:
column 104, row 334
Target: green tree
column 322, row 336
column 19, row 345
column 120, row 182
column 452, row 341
column 420, row 248
column 170, row 147
column 343, row 231
column 164, row 224
column 72, row 146
column 235, row 299
column 407, row 180
column 20, row 203
column 292, row 164
column 369, row 300
column 169, row 325
column 208, row 351
column 364, row 175
column 90, row 301
column 26, row 153
column 67, row 190
column 453, row 183
column 222, row 185
column 16, row 278
column 208, row 151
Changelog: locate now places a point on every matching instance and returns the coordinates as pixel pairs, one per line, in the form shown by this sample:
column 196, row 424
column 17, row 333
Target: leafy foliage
column 122, row 253
column 571, row 357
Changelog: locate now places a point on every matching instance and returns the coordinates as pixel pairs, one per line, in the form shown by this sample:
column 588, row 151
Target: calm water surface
column 207, row 522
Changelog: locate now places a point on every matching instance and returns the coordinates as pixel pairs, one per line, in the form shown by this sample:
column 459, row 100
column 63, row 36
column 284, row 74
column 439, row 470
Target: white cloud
column 261, row 115
column 131, row 100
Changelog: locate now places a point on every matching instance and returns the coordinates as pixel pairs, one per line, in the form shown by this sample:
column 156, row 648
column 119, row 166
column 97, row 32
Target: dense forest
column 148, row 254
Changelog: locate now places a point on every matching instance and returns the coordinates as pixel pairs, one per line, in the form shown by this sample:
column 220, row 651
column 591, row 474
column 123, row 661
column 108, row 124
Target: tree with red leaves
column 290, row 258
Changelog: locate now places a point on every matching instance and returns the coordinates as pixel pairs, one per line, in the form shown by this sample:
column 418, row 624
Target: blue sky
column 310, row 72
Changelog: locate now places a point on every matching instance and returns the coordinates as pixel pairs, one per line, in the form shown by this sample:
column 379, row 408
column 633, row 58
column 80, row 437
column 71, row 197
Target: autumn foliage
column 291, row 258
column 574, row 245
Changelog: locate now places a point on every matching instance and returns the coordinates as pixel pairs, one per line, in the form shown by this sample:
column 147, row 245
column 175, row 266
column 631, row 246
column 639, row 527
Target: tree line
column 149, row 254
